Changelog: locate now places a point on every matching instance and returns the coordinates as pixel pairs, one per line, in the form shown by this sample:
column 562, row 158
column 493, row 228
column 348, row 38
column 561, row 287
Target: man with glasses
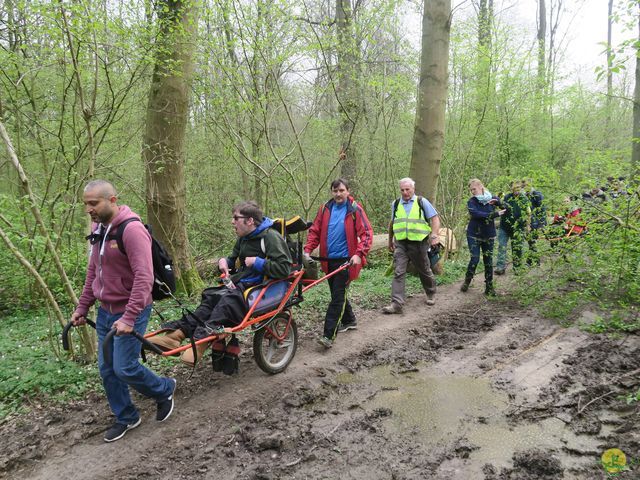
column 259, row 252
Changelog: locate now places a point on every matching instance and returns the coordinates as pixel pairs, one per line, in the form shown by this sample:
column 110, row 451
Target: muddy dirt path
column 467, row 389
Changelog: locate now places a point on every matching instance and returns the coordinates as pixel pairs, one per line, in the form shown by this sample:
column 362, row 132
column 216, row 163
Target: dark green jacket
column 274, row 261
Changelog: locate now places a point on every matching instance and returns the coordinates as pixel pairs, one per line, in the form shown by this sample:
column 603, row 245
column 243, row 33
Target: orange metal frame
column 249, row 319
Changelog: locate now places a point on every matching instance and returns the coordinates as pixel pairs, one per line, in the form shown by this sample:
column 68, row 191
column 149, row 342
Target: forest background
column 190, row 106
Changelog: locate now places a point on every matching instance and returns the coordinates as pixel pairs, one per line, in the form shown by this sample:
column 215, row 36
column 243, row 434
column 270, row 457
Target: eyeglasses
column 238, row 217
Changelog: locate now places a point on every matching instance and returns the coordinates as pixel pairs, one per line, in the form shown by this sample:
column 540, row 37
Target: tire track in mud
column 309, row 423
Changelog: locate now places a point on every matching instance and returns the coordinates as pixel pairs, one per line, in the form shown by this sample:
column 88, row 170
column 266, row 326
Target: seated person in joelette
column 259, row 252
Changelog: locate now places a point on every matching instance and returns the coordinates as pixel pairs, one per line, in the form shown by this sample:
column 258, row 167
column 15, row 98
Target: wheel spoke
column 270, row 351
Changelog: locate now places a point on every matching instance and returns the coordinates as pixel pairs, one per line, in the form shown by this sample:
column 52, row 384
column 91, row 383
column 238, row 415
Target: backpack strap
column 120, row 232
column 424, row 214
column 354, row 207
column 396, row 202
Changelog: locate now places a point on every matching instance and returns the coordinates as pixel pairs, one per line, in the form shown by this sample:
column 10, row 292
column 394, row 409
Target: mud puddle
column 468, row 389
column 465, row 414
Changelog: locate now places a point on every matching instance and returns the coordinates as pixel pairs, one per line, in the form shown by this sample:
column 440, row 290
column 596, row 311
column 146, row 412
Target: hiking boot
column 168, row 341
column 165, row 407
column 118, row 430
column 187, row 355
column 325, row 342
column 431, row 300
column 392, row 309
column 490, row 291
column 465, row 285
column 348, row 326
column 499, row 271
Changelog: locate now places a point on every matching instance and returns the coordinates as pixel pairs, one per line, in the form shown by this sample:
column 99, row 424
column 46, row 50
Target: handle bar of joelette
column 65, row 332
column 107, row 339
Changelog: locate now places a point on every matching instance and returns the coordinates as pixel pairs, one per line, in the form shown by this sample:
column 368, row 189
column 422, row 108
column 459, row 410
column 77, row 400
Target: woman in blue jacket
column 481, row 233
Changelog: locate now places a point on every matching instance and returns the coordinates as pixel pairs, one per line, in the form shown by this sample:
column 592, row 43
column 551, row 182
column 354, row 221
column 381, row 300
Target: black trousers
column 339, row 309
column 218, row 306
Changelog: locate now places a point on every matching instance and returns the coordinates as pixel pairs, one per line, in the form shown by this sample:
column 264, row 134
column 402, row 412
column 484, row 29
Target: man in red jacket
column 344, row 233
column 122, row 282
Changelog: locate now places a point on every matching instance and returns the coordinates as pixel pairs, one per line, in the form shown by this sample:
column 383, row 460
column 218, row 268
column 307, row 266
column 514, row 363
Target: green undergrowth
column 570, row 282
column 30, row 368
column 31, row 372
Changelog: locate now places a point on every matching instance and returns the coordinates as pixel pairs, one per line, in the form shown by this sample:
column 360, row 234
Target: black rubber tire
column 266, row 347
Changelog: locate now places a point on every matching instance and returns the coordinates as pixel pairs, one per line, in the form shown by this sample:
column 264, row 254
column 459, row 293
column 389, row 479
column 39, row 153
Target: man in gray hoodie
column 122, row 283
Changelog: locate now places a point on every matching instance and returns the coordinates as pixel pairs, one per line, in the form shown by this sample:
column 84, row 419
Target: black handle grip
column 106, row 353
column 65, row 333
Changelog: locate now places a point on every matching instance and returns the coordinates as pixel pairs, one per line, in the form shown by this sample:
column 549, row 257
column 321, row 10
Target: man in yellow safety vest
column 413, row 230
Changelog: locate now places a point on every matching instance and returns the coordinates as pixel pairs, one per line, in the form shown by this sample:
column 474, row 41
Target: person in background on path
column 538, row 220
column 343, row 232
column 514, row 225
column 413, row 230
column 122, row 283
column 481, row 233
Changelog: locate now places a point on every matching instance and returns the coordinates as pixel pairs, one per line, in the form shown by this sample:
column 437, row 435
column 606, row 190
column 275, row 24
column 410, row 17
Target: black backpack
column 164, row 279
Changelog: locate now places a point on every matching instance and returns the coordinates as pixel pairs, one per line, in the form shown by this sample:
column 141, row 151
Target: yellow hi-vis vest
column 413, row 227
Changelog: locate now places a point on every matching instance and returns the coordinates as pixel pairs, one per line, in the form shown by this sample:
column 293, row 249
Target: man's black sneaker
column 165, row 407
column 348, row 326
column 118, row 430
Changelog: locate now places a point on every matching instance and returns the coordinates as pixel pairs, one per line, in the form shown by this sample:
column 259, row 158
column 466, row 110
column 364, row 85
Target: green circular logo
column 614, row 460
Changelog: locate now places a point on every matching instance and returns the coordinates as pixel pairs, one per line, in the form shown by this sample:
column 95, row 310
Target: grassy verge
column 570, row 282
column 33, row 369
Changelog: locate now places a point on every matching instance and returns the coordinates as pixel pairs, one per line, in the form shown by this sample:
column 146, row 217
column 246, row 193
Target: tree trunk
column 347, row 89
column 635, row 143
column 609, row 72
column 428, row 134
column 542, row 34
column 163, row 144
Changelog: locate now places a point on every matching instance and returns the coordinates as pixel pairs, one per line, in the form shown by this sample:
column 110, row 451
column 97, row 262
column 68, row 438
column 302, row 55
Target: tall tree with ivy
column 163, row 149
column 635, row 144
column 428, row 133
column 347, row 91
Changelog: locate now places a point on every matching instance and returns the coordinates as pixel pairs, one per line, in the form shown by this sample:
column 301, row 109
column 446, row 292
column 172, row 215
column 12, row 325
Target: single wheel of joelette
column 274, row 345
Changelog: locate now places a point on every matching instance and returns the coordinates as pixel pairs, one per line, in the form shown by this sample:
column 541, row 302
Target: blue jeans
column 126, row 369
column 517, row 246
column 475, row 245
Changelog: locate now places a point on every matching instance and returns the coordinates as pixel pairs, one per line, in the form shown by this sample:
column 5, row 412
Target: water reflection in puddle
column 439, row 411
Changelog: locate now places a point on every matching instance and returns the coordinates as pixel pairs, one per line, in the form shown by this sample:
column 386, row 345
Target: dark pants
column 339, row 310
column 218, row 306
column 532, row 238
column 475, row 246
